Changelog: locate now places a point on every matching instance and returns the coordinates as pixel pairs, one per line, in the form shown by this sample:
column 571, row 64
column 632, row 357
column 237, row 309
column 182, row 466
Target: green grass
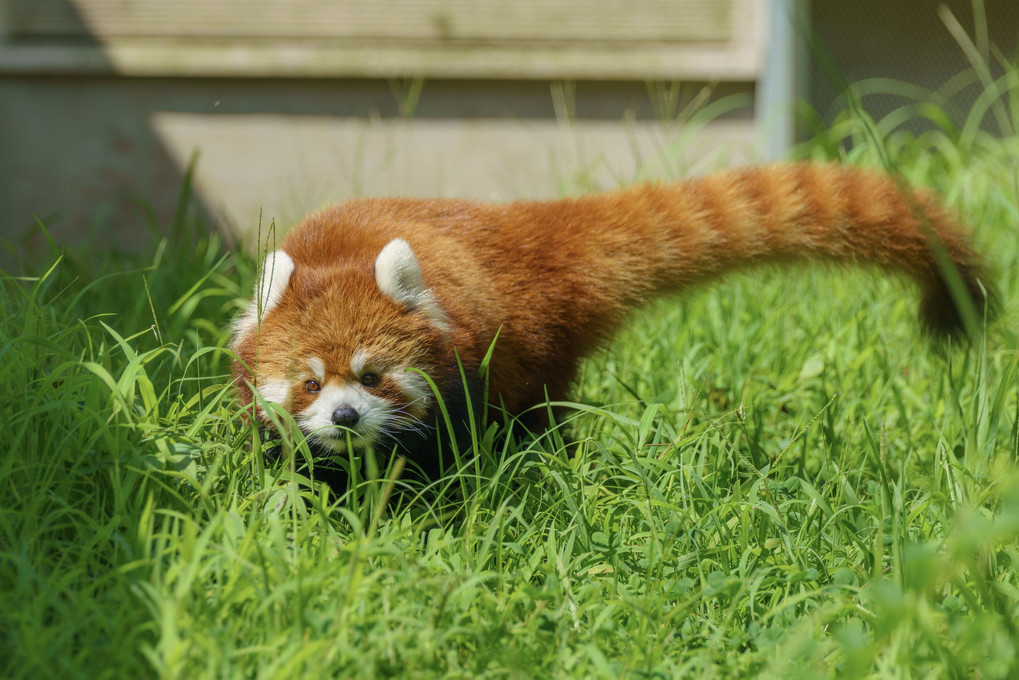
column 773, row 476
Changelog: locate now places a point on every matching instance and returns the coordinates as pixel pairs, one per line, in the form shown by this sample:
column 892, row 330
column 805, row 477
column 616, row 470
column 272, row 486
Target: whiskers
column 401, row 420
column 325, row 438
column 383, row 425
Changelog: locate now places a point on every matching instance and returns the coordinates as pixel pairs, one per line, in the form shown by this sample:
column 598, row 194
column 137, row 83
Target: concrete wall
column 107, row 150
column 919, row 42
column 102, row 110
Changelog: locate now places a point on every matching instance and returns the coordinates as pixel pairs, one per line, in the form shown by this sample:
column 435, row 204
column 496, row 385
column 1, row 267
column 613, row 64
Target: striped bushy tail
column 800, row 211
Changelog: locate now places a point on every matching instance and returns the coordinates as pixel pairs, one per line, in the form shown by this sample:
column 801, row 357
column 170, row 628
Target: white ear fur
column 272, row 281
column 398, row 276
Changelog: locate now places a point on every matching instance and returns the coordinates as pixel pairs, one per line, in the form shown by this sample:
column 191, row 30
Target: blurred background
column 276, row 108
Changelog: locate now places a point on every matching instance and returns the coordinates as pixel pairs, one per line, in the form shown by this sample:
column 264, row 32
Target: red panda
column 365, row 298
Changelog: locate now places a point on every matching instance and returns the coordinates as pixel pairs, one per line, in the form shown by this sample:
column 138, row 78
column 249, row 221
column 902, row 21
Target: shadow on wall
column 100, row 157
column 112, row 152
column 879, row 45
column 79, row 153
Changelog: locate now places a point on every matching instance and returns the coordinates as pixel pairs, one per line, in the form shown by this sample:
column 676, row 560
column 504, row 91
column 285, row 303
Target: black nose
column 345, row 416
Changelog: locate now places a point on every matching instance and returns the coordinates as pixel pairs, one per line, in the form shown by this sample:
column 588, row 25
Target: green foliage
column 771, row 477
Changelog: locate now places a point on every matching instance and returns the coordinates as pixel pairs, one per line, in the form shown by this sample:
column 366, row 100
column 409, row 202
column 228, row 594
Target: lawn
column 775, row 476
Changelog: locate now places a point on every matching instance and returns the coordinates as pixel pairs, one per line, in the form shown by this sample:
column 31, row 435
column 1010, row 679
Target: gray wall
column 909, row 41
column 108, row 151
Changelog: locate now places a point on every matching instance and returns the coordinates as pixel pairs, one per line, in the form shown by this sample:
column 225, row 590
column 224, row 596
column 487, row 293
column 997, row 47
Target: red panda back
column 441, row 279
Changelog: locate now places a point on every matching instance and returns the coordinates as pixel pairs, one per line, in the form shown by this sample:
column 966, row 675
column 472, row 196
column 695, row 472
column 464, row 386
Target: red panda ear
column 272, row 281
column 399, row 278
column 398, row 274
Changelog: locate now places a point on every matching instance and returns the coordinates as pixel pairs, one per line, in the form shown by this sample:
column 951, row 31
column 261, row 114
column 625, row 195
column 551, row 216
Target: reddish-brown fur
column 555, row 278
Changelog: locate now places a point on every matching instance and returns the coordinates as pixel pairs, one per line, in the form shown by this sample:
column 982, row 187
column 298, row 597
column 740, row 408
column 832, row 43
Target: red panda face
column 343, row 348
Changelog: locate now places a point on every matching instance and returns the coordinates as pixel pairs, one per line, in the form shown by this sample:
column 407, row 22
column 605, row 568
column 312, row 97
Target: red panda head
column 343, row 347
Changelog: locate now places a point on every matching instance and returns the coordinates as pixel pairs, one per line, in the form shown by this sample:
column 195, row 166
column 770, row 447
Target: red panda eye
column 312, row 386
column 369, row 379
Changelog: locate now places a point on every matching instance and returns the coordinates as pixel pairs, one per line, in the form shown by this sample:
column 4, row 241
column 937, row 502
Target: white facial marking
column 317, row 419
column 276, row 391
column 317, row 367
column 414, row 385
column 398, row 276
column 359, row 362
column 272, row 282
